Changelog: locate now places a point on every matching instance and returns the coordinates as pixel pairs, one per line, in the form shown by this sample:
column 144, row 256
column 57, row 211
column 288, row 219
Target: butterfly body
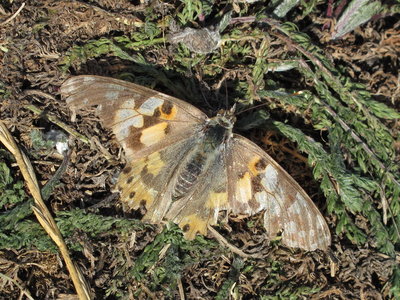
column 205, row 154
column 186, row 167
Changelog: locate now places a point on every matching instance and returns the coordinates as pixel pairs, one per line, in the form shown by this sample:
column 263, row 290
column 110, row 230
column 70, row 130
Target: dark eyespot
column 260, row 165
column 127, row 170
column 166, row 108
column 167, row 129
column 157, row 113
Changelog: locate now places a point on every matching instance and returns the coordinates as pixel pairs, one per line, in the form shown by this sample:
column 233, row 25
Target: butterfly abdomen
column 189, row 174
column 199, row 160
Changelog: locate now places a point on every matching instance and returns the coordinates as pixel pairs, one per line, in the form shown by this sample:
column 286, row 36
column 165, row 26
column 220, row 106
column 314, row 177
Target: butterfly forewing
column 257, row 182
column 143, row 120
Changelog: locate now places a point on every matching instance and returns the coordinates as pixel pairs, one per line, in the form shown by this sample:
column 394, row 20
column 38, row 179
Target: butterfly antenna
column 250, row 108
column 233, row 109
column 226, row 95
column 263, row 104
column 205, row 98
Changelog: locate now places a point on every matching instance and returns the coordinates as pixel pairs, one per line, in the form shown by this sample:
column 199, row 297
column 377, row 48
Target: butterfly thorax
column 206, row 152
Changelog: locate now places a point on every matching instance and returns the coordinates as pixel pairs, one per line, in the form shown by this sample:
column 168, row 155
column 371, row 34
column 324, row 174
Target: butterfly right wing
column 154, row 129
column 148, row 182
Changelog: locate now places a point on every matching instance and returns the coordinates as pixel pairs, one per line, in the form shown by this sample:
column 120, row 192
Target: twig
column 294, row 153
column 14, row 15
column 59, row 123
column 23, row 290
column 39, row 93
column 42, row 213
column 180, row 288
column 231, row 247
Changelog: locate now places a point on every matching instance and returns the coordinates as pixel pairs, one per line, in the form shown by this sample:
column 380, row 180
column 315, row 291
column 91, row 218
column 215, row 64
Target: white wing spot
column 300, row 199
column 302, row 234
column 111, row 95
column 128, row 104
column 122, row 129
column 267, row 202
column 150, row 105
column 290, row 227
column 272, row 215
column 270, row 178
column 135, row 122
column 294, row 209
column 123, row 114
column 298, row 207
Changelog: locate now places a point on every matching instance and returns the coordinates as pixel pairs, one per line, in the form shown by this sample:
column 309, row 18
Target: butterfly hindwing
column 146, row 182
column 257, row 182
column 143, row 120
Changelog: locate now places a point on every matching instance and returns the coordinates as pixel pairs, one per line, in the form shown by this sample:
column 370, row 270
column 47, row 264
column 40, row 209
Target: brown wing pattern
column 256, row 182
column 143, row 120
column 146, row 182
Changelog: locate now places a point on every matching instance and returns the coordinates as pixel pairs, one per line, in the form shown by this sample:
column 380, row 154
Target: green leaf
column 357, row 12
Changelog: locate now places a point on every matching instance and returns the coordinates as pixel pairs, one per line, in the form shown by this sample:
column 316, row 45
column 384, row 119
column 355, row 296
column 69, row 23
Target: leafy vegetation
column 346, row 134
column 358, row 166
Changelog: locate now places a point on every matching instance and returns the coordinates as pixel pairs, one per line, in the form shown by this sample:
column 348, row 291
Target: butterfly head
column 225, row 118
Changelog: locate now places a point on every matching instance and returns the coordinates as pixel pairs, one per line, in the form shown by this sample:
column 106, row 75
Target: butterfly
column 183, row 166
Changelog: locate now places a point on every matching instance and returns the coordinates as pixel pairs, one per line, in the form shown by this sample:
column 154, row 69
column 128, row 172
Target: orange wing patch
column 191, row 225
column 132, row 184
column 154, row 163
column 167, row 111
column 256, row 165
column 217, row 200
column 139, row 195
column 154, row 134
column 134, row 191
column 244, row 188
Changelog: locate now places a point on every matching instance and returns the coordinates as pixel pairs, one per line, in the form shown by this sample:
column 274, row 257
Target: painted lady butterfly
column 186, row 167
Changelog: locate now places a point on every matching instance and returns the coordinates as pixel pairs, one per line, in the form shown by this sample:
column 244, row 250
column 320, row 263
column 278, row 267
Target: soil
column 114, row 262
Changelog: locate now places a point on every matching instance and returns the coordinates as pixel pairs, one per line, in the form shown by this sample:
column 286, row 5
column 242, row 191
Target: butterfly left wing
column 256, row 182
column 246, row 180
